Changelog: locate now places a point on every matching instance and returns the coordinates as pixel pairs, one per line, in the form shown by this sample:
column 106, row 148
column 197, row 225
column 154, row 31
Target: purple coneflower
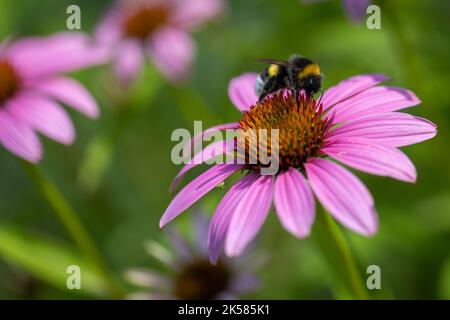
column 30, row 84
column 355, row 123
column 191, row 275
column 356, row 9
column 158, row 29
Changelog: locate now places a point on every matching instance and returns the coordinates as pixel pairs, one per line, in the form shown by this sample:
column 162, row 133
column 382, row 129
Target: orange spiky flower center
column 145, row 21
column 9, row 81
column 301, row 129
column 200, row 279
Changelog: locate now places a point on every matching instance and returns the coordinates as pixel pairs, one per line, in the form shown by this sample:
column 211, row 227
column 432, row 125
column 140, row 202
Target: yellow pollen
column 301, row 126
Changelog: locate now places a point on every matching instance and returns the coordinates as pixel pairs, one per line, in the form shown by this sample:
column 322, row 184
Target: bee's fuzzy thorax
column 311, row 69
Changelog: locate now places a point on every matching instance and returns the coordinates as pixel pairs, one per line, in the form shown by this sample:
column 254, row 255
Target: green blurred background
column 122, row 208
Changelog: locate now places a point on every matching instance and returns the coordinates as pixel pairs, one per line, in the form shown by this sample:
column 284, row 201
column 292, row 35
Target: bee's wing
column 282, row 63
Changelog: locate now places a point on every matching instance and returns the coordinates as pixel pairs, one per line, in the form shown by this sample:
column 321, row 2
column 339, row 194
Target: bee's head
column 310, row 78
column 312, row 84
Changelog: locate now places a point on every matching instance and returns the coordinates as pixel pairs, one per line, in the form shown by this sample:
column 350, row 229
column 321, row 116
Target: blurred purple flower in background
column 158, row 29
column 355, row 123
column 30, row 84
column 356, row 9
column 191, row 274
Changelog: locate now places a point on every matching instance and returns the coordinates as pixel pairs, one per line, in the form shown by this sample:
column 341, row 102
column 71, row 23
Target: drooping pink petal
column 147, row 278
column 221, row 219
column 349, row 87
column 356, row 9
column 294, row 202
column 241, row 91
column 189, row 14
column 343, row 195
column 69, row 92
column 245, row 283
column 206, row 134
column 390, row 128
column 19, row 138
column 372, row 157
column 249, row 216
column 172, row 50
column 183, row 251
column 197, row 189
column 45, row 116
column 210, row 152
column 30, row 49
column 201, row 234
column 129, row 60
column 108, row 32
column 375, row 100
column 63, row 52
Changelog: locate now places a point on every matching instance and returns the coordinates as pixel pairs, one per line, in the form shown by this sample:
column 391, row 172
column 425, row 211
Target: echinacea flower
column 190, row 274
column 356, row 9
column 356, row 123
column 158, row 29
column 31, row 85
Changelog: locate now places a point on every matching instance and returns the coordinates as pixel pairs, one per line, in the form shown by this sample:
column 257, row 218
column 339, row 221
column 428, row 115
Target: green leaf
column 48, row 260
column 444, row 281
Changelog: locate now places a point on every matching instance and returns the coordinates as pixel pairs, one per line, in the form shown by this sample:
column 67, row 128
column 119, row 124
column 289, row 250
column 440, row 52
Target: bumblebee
column 296, row 74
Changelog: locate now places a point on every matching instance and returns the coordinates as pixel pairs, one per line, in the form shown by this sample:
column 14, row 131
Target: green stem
column 72, row 223
column 337, row 251
column 101, row 149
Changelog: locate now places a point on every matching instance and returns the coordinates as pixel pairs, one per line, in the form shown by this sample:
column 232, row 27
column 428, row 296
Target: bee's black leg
column 269, row 87
column 262, row 96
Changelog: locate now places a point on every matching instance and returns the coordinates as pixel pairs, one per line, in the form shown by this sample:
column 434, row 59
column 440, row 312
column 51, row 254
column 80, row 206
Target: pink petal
column 391, row 128
column 29, row 48
column 45, row 116
column 63, row 52
column 371, row 157
column 194, row 12
column 349, row 87
column 375, row 100
column 197, row 189
column 245, row 283
column 201, row 224
column 198, row 138
column 129, row 60
column 19, row 139
column 69, row 92
column 172, row 50
column 183, row 251
column 109, row 31
column 241, row 91
column 343, row 195
column 221, row 219
column 249, row 216
column 210, row 152
column 294, row 202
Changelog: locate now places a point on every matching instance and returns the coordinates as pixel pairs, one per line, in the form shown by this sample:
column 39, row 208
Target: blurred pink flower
column 356, row 9
column 31, row 85
column 190, row 274
column 159, row 29
column 356, row 123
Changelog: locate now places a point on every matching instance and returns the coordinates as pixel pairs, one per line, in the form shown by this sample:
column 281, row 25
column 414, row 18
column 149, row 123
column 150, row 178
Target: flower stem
column 337, row 251
column 72, row 223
